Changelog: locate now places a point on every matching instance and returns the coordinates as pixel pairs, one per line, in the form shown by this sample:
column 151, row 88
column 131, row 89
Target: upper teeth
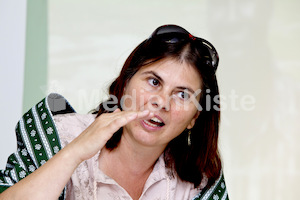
column 155, row 119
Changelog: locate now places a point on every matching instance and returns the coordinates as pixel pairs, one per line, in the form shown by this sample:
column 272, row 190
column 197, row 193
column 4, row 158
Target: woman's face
column 167, row 89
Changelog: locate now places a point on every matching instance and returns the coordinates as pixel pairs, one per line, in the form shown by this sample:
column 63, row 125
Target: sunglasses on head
column 173, row 34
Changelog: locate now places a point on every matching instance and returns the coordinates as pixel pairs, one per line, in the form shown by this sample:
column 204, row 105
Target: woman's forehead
column 171, row 64
column 174, row 70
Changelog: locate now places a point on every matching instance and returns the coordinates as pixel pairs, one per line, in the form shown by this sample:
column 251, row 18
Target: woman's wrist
column 71, row 156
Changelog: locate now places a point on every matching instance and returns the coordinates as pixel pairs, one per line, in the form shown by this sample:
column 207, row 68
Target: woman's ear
column 193, row 121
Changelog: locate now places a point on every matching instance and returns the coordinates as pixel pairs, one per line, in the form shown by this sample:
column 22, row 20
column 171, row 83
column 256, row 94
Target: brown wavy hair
column 191, row 162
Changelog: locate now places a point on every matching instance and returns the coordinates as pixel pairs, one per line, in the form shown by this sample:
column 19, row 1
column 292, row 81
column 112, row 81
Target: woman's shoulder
column 74, row 119
column 216, row 191
column 55, row 120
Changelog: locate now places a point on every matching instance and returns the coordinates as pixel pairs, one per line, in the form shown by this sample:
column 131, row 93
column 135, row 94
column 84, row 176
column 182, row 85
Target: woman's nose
column 160, row 101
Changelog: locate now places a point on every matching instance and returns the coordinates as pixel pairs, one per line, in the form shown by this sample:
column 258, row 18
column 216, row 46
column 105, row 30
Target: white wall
column 12, row 53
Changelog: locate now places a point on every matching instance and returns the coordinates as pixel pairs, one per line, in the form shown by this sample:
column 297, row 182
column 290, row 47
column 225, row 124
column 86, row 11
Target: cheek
column 128, row 100
column 135, row 99
column 181, row 119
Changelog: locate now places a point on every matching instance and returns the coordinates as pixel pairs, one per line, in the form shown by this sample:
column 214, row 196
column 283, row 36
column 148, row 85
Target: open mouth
column 155, row 122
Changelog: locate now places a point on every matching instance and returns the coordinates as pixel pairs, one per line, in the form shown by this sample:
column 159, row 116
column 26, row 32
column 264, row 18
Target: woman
column 155, row 138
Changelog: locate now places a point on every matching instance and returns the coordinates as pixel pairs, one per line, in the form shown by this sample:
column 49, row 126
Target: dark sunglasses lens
column 215, row 58
column 172, row 38
column 170, row 29
column 212, row 54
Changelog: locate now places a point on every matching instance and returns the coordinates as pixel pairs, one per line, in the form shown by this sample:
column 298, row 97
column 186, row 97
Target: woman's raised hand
column 48, row 181
column 94, row 138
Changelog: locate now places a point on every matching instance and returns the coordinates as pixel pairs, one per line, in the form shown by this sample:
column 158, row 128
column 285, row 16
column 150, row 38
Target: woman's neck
column 134, row 159
column 129, row 165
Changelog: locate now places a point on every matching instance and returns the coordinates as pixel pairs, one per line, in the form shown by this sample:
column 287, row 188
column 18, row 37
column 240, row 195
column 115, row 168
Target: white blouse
column 89, row 182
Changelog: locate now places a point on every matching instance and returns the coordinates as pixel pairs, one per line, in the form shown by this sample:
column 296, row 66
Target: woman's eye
column 184, row 95
column 153, row 82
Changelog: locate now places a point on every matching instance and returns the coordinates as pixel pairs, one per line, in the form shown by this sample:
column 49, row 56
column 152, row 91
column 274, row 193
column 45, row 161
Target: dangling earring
column 189, row 138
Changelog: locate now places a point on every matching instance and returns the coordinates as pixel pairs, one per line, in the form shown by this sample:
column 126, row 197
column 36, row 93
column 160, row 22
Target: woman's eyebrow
column 154, row 74
column 187, row 88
